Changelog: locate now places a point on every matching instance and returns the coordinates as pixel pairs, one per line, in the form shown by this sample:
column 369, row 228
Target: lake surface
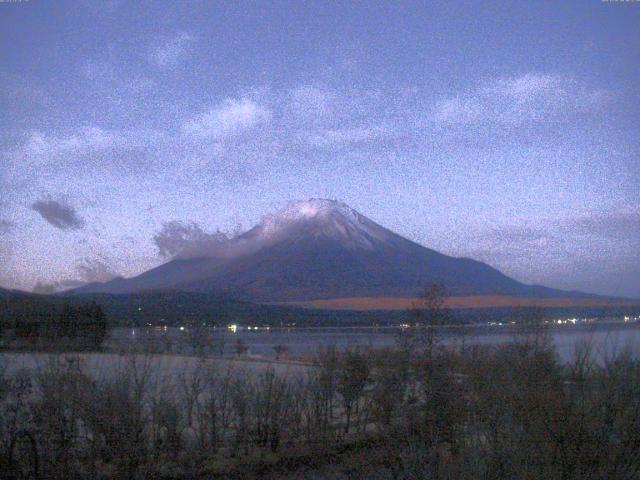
column 608, row 337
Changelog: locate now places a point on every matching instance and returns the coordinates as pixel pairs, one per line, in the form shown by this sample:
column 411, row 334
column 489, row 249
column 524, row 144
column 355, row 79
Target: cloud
column 331, row 138
column 75, row 149
column 58, row 214
column 227, row 118
column 575, row 231
column 528, row 87
column 93, row 270
column 313, row 102
column 187, row 240
column 457, row 110
column 532, row 97
column 169, row 52
column 619, row 224
column 86, row 139
column 521, row 234
column 589, row 245
column 5, row 226
column 88, row 271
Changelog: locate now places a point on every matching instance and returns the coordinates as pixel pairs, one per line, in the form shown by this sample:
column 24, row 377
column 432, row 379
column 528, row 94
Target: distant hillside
column 180, row 308
column 21, row 305
column 177, row 307
column 169, row 308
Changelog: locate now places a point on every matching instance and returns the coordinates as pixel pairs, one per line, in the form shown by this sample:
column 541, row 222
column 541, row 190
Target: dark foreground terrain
column 419, row 410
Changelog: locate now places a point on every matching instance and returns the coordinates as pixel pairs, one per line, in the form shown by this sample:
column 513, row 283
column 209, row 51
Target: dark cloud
column 58, row 214
column 187, row 240
column 5, row 226
column 621, row 223
column 519, row 234
column 592, row 251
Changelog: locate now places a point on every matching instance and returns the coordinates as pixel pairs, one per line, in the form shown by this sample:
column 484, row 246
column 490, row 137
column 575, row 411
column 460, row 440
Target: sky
column 507, row 132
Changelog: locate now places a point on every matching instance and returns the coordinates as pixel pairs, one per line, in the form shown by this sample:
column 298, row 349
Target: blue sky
column 502, row 131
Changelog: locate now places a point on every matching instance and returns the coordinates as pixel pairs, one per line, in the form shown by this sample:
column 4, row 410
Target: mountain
column 321, row 249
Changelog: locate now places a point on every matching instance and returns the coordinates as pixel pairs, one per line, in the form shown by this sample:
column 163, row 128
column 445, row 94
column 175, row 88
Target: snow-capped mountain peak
column 323, row 218
column 312, row 208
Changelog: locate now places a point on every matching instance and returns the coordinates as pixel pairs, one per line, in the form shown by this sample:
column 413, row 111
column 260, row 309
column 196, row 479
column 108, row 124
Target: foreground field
column 420, row 410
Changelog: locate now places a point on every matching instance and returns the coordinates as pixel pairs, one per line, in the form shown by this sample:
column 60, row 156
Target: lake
column 608, row 336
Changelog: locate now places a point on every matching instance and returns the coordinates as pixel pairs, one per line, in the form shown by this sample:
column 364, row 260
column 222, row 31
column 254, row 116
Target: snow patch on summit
column 324, row 218
column 306, row 210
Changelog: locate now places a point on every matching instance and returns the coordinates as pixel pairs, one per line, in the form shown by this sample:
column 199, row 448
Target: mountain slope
column 321, row 249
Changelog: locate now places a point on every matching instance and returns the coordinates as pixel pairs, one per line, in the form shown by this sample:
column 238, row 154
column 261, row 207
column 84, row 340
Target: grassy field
column 476, row 301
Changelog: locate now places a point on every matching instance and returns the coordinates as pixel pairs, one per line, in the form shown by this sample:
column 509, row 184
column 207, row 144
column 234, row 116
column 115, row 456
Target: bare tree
column 352, row 380
column 241, row 347
column 391, row 378
column 199, row 338
column 218, row 343
column 280, row 350
column 430, row 313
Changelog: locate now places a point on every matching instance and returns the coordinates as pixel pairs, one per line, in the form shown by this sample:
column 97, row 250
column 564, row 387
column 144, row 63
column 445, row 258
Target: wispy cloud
column 332, row 138
column 516, row 100
column 39, row 148
column 621, row 225
column 311, row 102
column 228, row 118
column 88, row 270
column 326, row 118
column 596, row 243
column 58, row 214
column 84, row 139
column 94, row 270
column 529, row 87
column 169, row 52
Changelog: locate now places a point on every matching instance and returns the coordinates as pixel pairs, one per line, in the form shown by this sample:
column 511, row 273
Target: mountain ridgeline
column 320, row 249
